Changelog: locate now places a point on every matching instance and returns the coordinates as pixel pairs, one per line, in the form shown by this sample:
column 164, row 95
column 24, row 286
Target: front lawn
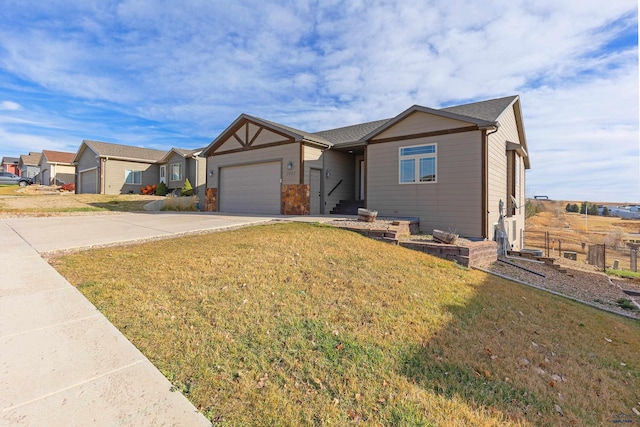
column 293, row 324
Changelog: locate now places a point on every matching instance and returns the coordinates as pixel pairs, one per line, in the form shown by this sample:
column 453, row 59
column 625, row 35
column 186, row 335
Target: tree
column 568, row 208
column 575, row 208
column 593, row 210
column 583, row 207
column 161, row 189
column 187, row 189
column 605, row 211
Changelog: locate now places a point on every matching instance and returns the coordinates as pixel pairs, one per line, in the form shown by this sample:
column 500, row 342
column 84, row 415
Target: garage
column 88, row 182
column 253, row 188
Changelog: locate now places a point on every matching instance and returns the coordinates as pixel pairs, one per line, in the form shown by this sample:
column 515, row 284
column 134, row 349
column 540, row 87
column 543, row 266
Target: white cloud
column 195, row 66
column 10, row 105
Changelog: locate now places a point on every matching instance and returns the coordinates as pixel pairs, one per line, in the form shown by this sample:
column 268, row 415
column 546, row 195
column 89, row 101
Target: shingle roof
column 489, row 110
column 10, row 160
column 31, row 159
column 350, row 134
column 309, row 136
column 58, row 156
column 107, row 149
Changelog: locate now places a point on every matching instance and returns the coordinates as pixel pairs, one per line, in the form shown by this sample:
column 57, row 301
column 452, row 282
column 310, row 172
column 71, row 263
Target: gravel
column 580, row 282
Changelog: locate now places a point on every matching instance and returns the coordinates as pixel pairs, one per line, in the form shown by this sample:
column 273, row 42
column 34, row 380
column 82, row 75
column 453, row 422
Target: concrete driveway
column 61, row 361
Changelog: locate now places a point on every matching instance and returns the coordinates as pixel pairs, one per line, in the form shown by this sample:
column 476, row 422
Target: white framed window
column 418, row 164
column 132, row 177
column 175, row 172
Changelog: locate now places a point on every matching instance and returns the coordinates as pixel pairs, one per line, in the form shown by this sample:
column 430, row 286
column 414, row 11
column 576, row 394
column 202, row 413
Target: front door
column 315, row 176
column 163, row 173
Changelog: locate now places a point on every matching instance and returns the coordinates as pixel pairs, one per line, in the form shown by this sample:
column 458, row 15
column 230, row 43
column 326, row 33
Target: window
column 132, row 177
column 175, row 172
column 418, row 164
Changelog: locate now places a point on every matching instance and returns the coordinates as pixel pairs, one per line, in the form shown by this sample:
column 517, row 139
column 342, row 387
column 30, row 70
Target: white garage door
column 88, row 182
column 251, row 188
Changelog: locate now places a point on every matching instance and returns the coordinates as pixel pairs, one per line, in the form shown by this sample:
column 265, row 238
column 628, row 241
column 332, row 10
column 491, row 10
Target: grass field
column 569, row 231
column 292, row 324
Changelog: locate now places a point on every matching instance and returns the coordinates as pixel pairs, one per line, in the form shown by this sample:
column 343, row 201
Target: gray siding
column 453, row 203
column 176, row 159
column 87, row 161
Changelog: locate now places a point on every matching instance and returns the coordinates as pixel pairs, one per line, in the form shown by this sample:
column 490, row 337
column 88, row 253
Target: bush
column 161, row 189
column 148, row 190
column 187, row 189
column 68, row 187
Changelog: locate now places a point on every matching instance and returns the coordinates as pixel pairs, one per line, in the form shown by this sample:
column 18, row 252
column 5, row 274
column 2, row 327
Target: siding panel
column 452, row 204
column 420, row 122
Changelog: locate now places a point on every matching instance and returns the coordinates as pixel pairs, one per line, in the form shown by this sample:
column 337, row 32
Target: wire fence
column 612, row 251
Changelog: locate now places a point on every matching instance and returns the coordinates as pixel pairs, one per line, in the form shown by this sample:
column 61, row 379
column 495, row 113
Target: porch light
column 327, row 174
column 290, row 165
column 210, row 172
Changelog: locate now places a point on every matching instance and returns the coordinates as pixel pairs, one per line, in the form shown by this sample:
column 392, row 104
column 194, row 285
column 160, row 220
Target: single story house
column 178, row 165
column 459, row 169
column 56, row 168
column 28, row 165
column 105, row 168
column 10, row 164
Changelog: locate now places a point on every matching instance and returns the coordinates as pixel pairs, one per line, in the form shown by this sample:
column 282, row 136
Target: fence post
column 604, row 257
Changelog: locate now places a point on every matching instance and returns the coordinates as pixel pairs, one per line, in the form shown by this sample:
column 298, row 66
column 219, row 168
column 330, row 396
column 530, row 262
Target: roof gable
column 258, row 126
column 31, row 159
column 57, row 157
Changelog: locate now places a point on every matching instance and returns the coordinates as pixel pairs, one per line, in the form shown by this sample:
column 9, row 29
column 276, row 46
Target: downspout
column 485, row 179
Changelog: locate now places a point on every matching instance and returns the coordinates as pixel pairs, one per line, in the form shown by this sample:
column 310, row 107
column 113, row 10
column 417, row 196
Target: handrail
column 339, row 182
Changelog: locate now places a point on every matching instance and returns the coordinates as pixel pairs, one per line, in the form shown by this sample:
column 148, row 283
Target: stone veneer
column 211, row 200
column 295, row 199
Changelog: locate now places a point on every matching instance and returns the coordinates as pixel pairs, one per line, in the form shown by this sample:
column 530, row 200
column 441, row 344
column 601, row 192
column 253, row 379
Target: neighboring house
column 10, row 164
column 57, row 168
column 453, row 168
column 28, row 165
column 106, row 168
column 179, row 164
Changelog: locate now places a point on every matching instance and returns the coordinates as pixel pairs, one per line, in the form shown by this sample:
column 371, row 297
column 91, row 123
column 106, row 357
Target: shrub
column 187, row 189
column 68, row 187
column 161, row 189
column 149, row 189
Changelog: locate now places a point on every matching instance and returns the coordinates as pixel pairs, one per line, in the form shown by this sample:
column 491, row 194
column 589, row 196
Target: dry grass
column 180, row 203
column 292, row 324
column 34, row 204
column 569, row 231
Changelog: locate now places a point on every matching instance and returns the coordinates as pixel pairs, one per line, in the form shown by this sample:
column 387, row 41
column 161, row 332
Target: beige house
column 105, row 168
column 56, row 167
column 453, row 168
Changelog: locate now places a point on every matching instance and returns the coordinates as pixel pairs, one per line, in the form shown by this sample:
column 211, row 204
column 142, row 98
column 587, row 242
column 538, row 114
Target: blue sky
column 163, row 74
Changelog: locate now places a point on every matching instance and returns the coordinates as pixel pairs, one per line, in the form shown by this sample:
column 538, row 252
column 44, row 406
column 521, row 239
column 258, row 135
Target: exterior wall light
column 290, row 165
column 327, row 174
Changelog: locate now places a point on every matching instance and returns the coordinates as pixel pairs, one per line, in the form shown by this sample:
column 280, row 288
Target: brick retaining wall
column 474, row 255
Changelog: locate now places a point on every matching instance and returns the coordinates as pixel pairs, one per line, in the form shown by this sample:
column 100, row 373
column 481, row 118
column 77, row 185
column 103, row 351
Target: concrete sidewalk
column 61, row 361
